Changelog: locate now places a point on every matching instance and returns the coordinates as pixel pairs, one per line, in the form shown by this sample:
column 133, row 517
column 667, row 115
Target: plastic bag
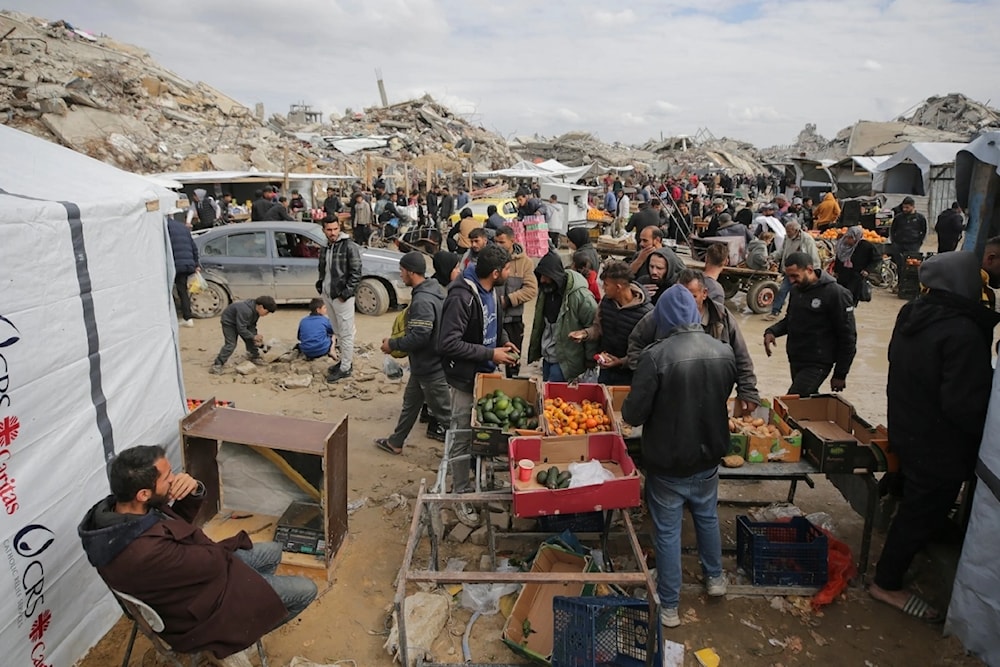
column 391, row 368
column 589, row 376
column 196, row 283
column 485, row 598
column 591, row 472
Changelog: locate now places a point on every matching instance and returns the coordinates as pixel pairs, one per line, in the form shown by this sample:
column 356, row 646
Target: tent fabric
column 985, row 148
column 88, row 348
column 923, row 155
column 974, row 611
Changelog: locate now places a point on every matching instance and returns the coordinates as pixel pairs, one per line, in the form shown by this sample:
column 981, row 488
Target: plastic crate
column 791, row 553
column 599, row 631
column 581, row 522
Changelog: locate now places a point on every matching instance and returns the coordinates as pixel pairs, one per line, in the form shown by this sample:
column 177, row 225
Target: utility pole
column 381, row 87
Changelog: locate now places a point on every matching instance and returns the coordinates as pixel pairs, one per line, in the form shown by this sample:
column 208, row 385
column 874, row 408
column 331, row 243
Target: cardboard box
column 490, row 439
column 617, row 394
column 756, row 449
column 534, row 603
column 834, row 437
column 532, row 499
column 595, row 393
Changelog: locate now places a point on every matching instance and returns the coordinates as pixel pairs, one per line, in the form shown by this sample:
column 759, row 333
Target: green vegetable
column 563, row 484
column 564, row 476
column 498, row 393
column 479, row 414
column 488, row 406
column 502, row 404
column 482, row 435
column 542, row 476
column 516, row 414
column 553, row 478
column 528, row 411
column 532, row 423
column 490, row 418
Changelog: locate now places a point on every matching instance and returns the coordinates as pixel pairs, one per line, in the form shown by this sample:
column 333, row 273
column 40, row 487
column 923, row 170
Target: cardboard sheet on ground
column 89, row 366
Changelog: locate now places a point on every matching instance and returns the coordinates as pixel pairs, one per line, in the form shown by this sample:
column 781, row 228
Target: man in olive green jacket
column 564, row 305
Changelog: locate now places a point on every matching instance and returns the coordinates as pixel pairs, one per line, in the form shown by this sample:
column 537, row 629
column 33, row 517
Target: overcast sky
column 756, row 71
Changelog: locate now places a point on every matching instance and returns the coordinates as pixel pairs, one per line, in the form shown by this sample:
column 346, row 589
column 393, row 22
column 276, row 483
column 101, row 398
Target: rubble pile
column 576, row 149
column 954, row 113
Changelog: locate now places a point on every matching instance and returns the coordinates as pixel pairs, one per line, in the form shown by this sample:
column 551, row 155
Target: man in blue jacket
column 679, row 394
column 185, row 263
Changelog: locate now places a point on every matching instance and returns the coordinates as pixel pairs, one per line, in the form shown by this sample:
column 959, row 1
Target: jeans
column 515, row 334
column 295, row 592
column 341, row 314
column 779, row 301
column 665, row 498
column 552, row 372
column 807, row 378
column 230, row 336
column 461, row 419
column 181, row 283
column 925, row 506
column 430, row 389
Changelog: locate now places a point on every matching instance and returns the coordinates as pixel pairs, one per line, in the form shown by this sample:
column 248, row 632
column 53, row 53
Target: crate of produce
column 193, row 403
column 541, row 497
column 909, row 281
column 600, row 631
column 569, row 410
column 789, row 553
column 503, row 407
column 763, row 436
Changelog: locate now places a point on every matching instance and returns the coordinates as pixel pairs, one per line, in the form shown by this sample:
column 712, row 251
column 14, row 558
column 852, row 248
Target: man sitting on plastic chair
column 212, row 596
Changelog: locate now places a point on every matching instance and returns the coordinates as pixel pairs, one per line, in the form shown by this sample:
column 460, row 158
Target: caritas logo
column 10, row 425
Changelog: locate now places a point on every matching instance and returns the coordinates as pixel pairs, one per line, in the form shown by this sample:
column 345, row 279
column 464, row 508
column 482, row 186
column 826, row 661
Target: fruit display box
column 489, row 439
column 533, row 499
column 786, row 447
column 193, row 403
column 592, row 393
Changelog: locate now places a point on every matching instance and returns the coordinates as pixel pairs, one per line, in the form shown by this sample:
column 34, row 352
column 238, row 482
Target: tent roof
column 247, row 176
column 46, row 171
column 869, row 137
column 985, row 148
column 923, row 154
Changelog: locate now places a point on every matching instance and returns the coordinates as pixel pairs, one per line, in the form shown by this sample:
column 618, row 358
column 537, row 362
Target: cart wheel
column 376, row 240
column 888, row 276
column 730, row 287
column 761, row 295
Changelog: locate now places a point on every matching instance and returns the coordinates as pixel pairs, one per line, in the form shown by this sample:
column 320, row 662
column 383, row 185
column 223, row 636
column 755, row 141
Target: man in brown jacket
column 520, row 288
column 212, row 596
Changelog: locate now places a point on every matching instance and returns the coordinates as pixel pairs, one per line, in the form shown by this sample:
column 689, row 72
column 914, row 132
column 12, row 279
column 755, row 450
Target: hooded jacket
column 182, row 246
column 581, row 239
column 460, row 340
column 939, row 371
column 209, row 600
column 614, row 324
column 674, row 267
column 820, row 326
column 423, row 320
column 576, row 312
column 827, row 211
column 720, row 325
column 343, row 257
column 521, row 285
column 679, row 393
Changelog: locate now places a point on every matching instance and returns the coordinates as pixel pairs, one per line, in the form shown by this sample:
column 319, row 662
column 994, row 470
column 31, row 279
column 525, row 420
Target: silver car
column 280, row 259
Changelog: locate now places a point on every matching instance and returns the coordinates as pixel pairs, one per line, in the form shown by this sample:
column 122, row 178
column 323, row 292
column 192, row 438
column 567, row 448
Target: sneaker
column 436, row 431
column 338, row 374
column 716, row 586
column 467, row 514
column 333, row 369
column 669, row 618
column 186, row 323
column 425, row 415
column 216, row 369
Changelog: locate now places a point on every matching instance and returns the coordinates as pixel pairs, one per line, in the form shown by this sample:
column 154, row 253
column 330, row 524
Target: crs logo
column 10, row 425
column 30, row 543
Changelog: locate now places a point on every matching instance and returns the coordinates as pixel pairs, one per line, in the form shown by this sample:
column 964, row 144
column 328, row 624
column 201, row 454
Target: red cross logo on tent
column 39, row 626
column 9, row 428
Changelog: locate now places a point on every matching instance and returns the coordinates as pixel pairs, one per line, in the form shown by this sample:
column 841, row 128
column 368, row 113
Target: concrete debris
column 955, row 113
column 297, row 381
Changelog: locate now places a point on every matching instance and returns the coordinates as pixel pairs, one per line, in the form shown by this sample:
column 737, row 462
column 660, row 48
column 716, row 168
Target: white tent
column 923, row 169
column 89, row 366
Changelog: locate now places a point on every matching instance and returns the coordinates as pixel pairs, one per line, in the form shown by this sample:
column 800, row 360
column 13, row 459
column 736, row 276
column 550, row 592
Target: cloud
column 567, row 115
column 620, row 18
column 664, row 107
column 872, row 65
column 750, row 114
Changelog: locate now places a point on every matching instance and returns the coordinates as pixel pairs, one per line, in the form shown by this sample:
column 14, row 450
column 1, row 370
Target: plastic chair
column 145, row 619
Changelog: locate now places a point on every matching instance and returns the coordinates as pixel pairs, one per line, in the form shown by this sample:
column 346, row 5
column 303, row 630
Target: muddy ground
column 348, row 622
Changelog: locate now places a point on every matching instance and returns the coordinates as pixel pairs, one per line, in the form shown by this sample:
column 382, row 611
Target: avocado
column 542, row 476
column 490, row 418
column 564, row 476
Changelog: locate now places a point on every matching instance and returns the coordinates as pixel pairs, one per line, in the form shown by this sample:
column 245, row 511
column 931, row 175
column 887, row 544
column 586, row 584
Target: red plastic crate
column 532, row 499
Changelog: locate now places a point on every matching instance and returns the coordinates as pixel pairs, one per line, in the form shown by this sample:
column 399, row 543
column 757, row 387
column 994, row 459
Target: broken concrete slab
column 227, row 162
column 246, row 368
column 460, row 533
column 54, row 105
column 297, row 381
column 180, row 117
column 82, row 127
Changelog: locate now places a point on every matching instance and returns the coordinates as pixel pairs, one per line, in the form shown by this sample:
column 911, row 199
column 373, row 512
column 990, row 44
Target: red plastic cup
column 524, row 469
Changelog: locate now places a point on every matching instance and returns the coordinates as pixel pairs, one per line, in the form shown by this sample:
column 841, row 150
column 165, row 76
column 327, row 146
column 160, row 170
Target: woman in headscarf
column 855, row 256
column 579, row 239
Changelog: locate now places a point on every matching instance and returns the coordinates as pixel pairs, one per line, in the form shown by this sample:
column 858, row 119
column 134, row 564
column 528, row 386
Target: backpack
column 398, row 331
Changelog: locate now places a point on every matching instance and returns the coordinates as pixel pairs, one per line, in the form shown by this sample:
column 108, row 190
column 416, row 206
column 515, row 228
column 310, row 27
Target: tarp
column 923, row 156
column 986, row 148
column 89, row 366
column 549, row 170
column 974, row 612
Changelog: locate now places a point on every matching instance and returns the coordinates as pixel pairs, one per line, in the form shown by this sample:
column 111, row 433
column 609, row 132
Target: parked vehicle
column 280, row 259
column 505, row 207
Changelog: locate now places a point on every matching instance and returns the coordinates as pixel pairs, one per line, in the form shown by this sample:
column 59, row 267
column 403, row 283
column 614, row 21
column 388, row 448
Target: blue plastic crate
column 792, row 553
column 602, row 632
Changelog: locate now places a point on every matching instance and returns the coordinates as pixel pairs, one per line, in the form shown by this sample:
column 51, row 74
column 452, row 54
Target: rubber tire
column 761, row 296
column 372, row 298
column 209, row 302
column 730, row 287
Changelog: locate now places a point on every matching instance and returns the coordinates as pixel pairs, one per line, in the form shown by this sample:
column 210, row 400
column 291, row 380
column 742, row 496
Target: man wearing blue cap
column 679, row 394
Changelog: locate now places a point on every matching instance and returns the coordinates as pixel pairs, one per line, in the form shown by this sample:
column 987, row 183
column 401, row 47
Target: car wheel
column 372, row 298
column 210, row 301
column 761, row 296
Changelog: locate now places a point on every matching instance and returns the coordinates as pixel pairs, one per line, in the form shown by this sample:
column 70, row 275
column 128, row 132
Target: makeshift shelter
column 852, row 176
column 925, row 169
column 977, row 184
column 90, row 366
column 974, row 611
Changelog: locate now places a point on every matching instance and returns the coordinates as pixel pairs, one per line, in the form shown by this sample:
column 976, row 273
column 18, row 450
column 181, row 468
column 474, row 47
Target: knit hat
column 413, row 262
column 444, row 263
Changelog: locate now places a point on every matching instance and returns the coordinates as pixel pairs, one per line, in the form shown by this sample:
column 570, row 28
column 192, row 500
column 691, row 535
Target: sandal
column 918, row 608
column 385, row 446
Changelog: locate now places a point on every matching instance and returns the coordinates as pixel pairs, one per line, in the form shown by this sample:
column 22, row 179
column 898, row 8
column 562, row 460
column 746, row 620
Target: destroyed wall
column 954, row 113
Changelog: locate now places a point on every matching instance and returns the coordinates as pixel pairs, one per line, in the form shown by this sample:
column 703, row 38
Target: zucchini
column 553, row 478
column 542, row 476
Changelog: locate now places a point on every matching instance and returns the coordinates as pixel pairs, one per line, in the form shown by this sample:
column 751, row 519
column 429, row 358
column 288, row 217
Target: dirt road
column 348, row 622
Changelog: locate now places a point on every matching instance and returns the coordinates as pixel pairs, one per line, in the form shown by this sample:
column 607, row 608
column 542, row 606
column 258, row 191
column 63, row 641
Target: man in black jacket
column 679, row 394
column 332, row 204
column 938, row 391
column 906, row 233
column 432, row 203
column 339, row 277
column 262, row 204
column 427, row 383
column 279, row 211
column 949, row 228
column 472, row 340
column 446, row 205
column 820, row 328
